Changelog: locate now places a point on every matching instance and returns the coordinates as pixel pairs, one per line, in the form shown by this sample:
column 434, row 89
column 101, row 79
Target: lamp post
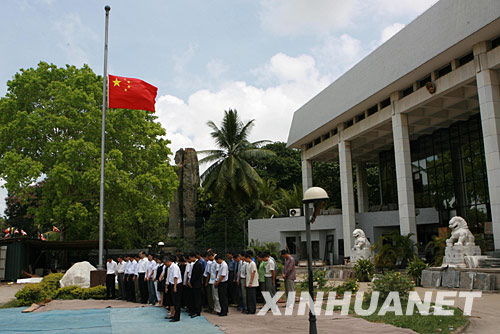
column 317, row 196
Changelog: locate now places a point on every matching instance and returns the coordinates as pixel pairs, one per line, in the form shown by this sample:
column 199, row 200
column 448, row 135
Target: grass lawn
column 10, row 304
column 423, row 324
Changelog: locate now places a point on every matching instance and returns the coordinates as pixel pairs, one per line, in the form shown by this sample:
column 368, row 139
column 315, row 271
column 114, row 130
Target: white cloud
column 290, row 17
column 337, row 54
column 390, row 31
column 76, row 38
column 400, row 7
column 216, row 68
column 271, row 107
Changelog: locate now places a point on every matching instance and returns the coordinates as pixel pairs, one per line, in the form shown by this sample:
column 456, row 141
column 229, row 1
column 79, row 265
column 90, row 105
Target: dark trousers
column 110, row 285
column 121, row 286
column 197, row 295
column 131, row 288
column 223, row 299
column 251, row 300
column 176, row 300
column 143, row 288
column 230, row 289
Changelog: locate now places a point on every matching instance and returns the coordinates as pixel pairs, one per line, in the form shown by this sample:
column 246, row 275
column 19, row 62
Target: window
column 348, row 123
column 443, row 71
column 407, row 91
column 385, row 103
column 372, row 110
column 495, row 42
column 465, row 59
column 422, row 82
column 317, row 141
column 335, row 131
column 360, row 117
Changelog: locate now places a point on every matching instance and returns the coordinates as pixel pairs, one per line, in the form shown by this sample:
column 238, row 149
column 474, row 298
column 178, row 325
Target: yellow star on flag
column 116, row 82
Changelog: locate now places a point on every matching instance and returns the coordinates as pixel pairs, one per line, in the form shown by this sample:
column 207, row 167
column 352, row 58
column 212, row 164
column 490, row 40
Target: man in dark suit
column 196, row 283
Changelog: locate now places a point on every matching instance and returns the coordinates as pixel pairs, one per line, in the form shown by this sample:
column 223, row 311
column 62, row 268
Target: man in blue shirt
column 230, row 288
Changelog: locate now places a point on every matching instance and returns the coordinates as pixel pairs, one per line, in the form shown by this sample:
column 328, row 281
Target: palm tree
column 289, row 199
column 266, row 205
column 230, row 177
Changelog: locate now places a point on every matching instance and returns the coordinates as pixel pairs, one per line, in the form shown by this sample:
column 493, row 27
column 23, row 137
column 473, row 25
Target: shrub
column 69, row 292
column 394, row 250
column 364, row 270
column 31, row 293
column 96, row 292
column 415, row 268
column 348, row 285
column 319, row 280
column 50, row 284
column 393, row 281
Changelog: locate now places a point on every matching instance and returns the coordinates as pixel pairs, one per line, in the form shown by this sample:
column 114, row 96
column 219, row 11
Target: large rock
column 78, row 274
column 183, row 208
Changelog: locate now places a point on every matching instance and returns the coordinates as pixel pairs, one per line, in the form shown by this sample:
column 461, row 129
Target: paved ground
column 8, row 292
column 101, row 321
column 485, row 318
column 239, row 323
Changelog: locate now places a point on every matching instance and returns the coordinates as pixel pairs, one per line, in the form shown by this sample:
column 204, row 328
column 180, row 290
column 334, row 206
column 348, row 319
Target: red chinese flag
column 130, row 93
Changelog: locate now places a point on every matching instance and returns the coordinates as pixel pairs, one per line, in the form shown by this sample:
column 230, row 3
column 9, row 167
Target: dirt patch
column 87, row 304
column 239, row 323
column 8, row 292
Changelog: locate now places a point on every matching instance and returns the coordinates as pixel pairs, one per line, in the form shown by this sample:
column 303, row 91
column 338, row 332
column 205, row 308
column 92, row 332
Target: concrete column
column 307, row 178
column 362, row 187
column 347, row 195
column 404, row 174
column 488, row 87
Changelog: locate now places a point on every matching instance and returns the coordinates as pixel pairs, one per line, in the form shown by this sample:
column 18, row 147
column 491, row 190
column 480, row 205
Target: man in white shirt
column 150, row 276
column 143, row 285
column 120, row 272
column 221, row 283
column 212, row 276
column 135, row 268
column 270, row 276
column 175, row 286
column 241, row 282
column 208, row 287
column 186, row 289
column 252, row 282
column 129, row 282
column 110, row 278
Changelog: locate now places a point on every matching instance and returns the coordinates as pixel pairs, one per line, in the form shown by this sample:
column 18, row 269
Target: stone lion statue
column 360, row 240
column 459, row 233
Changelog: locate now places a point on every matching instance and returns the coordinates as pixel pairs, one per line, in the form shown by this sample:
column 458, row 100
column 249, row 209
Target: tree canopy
column 50, row 125
column 230, row 176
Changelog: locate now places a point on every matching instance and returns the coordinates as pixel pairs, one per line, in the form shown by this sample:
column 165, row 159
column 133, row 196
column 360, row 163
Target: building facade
column 425, row 108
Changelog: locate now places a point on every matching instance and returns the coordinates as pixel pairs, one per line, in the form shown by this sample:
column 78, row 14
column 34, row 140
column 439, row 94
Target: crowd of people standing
column 194, row 281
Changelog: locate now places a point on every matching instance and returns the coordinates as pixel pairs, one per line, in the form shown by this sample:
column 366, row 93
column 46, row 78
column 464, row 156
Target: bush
column 31, row 293
column 394, row 250
column 415, row 268
column 69, row 292
column 364, row 270
column 318, row 279
column 393, row 281
column 96, row 292
column 349, row 285
column 50, row 284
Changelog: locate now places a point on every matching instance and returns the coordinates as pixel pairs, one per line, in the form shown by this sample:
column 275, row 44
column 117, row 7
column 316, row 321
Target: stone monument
column 362, row 247
column 183, row 208
column 461, row 251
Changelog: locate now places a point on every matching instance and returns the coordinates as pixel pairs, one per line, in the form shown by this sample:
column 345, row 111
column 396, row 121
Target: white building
column 425, row 108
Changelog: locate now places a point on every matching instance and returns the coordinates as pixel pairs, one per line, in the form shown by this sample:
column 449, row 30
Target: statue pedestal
column 454, row 256
column 357, row 254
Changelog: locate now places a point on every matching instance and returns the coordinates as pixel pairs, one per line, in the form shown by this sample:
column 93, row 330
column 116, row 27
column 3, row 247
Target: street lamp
column 317, row 196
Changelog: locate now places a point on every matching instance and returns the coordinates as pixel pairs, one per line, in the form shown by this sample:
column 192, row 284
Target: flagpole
column 103, row 137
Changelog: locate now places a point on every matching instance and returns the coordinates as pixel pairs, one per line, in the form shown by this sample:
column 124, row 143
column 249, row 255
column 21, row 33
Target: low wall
column 484, row 279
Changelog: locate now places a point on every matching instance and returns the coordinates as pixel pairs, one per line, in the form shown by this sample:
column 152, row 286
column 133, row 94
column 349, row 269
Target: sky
column 264, row 58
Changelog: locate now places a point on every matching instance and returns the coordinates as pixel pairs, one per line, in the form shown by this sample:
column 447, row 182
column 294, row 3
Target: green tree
column 231, row 177
column 284, row 167
column 267, row 203
column 50, row 124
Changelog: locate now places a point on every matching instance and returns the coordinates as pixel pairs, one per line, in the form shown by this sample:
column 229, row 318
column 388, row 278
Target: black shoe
column 174, row 320
column 194, row 316
column 222, row 314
